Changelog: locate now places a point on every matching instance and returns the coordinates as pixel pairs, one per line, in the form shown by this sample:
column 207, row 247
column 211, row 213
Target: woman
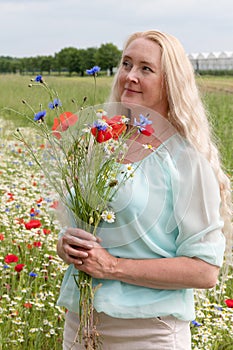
column 167, row 238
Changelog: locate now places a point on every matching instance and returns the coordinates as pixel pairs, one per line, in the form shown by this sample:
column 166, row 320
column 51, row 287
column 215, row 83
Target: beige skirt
column 159, row 333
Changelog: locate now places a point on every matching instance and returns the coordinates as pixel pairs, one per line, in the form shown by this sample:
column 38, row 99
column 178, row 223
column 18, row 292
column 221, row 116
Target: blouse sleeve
column 196, row 201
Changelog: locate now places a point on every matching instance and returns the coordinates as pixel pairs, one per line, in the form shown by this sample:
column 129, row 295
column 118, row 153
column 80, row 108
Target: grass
column 217, row 94
column 14, row 89
column 29, row 317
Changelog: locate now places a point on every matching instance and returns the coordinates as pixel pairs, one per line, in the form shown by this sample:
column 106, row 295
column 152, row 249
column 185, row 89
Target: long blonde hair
column 187, row 112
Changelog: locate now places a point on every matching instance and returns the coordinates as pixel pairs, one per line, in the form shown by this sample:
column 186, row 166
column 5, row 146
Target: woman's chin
column 130, row 103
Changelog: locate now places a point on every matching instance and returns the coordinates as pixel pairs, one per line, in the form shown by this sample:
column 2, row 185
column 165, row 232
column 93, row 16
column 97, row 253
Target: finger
column 98, row 239
column 82, row 234
column 78, row 263
column 77, row 243
column 77, row 252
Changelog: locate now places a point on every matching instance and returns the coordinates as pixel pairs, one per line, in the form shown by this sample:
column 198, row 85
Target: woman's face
column 140, row 80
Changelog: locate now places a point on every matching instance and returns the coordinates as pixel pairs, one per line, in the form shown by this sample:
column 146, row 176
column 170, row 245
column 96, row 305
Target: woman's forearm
column 167, row 273
column 85, row 252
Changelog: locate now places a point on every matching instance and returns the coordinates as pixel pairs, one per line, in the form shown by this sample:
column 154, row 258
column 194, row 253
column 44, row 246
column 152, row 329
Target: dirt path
column 216, row 84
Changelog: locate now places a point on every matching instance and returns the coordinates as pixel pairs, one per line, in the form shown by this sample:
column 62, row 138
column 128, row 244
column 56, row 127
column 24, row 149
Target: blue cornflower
column 39, row 79
column 218, row 307
column 55, row 104
column 142, row 125
column 143, row 121
column 39, row 116
column 196, row 324
column 93, row 70
column 33, row 274
column 6, row 266
column 100, row 124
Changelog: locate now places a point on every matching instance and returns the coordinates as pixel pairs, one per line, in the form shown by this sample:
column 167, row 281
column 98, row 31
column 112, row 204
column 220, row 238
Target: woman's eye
column 127, row 64
column 146, row 68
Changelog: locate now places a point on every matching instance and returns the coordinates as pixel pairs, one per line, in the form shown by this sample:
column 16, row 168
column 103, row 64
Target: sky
column 44, row 27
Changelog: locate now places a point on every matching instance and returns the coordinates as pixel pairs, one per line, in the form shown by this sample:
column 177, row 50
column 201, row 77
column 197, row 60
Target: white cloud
column 33, row 27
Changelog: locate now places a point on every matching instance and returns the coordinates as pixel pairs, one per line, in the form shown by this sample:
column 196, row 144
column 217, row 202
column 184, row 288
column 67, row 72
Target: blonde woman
column 168, row 235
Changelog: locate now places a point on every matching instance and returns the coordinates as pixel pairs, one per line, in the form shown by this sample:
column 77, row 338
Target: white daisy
column 148, row 146
column 108, row 216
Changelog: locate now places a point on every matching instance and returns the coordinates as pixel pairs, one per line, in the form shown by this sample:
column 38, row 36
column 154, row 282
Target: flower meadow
column 31, row 271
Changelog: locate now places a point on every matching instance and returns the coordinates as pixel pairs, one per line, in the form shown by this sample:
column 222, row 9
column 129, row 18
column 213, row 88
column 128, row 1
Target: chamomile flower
column 148, row 146
column 125, row 119
column 129, row 170
column 108, row 216
column 101, row 113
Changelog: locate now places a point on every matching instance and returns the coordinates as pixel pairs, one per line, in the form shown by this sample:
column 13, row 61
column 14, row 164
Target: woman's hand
column 82, row 249
column 98, row 263
column 74, row 245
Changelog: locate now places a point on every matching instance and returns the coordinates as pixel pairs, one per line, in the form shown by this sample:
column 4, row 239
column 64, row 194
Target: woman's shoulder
column 174, row 150
column 178, row 155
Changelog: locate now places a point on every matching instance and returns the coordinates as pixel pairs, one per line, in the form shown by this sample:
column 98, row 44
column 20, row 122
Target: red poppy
column 10, row 197
column 33, row 212
column 19, row 267
column 117, row 124
column 2, row 237
column 32, row 224
column 67, row 119
column 46, row 231
column 102, row 135
column 11, row 258
column 27, row 305
column 229, row 302
column 148, row 130
column 56, row 125
column 62, row 123
column 37, row 244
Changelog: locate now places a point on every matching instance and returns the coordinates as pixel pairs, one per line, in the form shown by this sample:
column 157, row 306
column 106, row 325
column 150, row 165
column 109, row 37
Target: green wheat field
column 31, row 272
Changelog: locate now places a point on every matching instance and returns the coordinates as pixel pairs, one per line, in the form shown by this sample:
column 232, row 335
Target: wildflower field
column 31, row 271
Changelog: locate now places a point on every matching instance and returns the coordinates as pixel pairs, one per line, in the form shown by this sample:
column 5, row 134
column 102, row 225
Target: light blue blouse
column 169, row 208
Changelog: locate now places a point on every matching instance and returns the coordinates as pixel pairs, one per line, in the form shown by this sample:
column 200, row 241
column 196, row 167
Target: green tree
column 68, row 60
column 87, row 58
column 5, row 64
column 108, row 56
column 45, row 63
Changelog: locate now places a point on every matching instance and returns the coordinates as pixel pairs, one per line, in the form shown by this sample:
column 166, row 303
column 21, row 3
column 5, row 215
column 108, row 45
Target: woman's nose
column 133, row 75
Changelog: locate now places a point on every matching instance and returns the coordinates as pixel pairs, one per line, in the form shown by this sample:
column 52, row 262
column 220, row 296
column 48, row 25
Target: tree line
column 69, row 60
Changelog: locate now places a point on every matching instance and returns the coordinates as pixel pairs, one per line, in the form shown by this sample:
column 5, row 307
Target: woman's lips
column 132, row 91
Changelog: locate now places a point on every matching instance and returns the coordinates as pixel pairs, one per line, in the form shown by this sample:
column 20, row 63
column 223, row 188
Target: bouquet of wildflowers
column 82, row 160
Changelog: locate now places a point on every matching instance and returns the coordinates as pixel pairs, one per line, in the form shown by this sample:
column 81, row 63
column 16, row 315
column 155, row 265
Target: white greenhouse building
column 212, row 61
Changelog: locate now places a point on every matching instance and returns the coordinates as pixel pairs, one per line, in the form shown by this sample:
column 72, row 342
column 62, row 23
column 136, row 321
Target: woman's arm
column 167, row 273
column 85, row 252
